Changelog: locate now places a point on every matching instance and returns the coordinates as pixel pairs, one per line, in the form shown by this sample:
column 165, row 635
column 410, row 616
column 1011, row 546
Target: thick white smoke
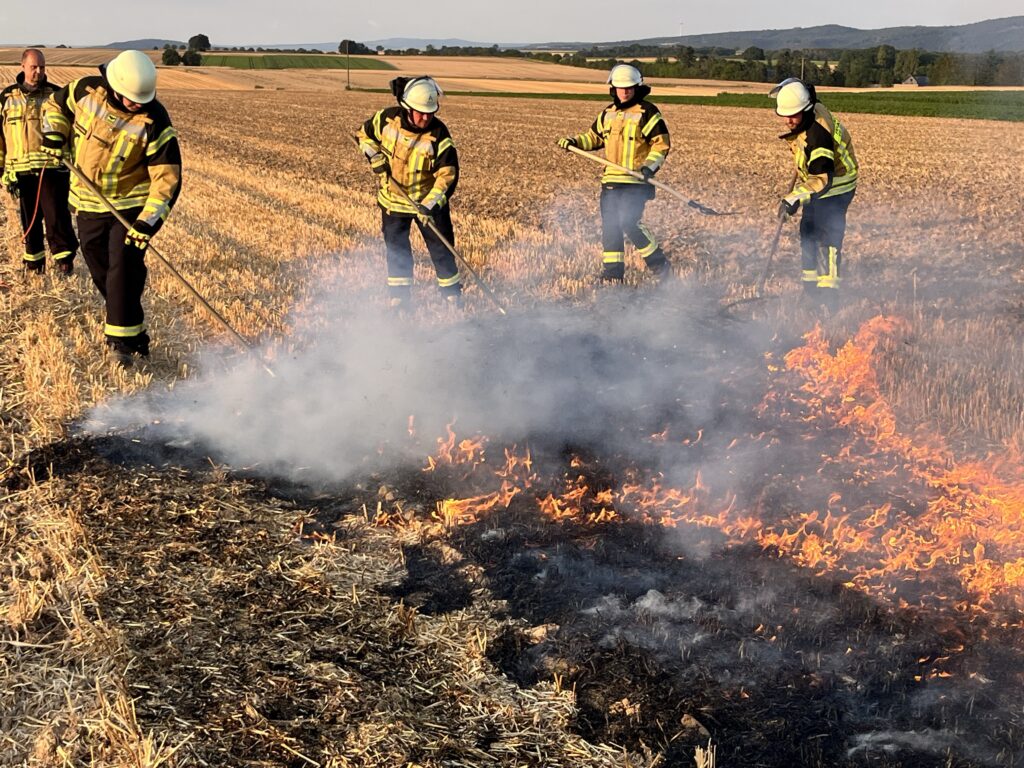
column 596, row 374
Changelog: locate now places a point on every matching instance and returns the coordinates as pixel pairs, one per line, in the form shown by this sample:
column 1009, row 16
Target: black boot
column 124, row 349
column 610, row 278
column 140, row 344
column 661, row 270
column 121, row 351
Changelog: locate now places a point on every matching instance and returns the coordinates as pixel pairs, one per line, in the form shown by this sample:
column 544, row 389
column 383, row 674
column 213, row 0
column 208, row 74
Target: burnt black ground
column 664, row 632
column 780, row 666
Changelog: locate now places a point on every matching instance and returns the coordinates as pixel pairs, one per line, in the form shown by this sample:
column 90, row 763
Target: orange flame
column 973, row 507
column 966, row 527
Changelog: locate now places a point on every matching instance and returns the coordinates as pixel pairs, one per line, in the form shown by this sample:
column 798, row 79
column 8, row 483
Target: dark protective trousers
column 822, row 229
column 52, row 211
column 622, row 207
column 396, row 228
column 119, row 272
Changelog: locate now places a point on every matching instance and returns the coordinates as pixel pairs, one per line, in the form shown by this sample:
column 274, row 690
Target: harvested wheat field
column 481, row 73
column 621, row 526
column 70, row 57
column 201, row 78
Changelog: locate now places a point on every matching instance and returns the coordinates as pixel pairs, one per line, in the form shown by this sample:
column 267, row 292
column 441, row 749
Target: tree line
column 191, row 57
column 882, row 65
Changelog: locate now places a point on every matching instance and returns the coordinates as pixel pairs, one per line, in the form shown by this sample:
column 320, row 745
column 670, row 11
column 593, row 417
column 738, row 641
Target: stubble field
column 478, row 73
column 162, row 605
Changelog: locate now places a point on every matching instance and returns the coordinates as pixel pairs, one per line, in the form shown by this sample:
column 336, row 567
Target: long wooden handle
column 653, row 182
column 775, row 243
column 245, row 345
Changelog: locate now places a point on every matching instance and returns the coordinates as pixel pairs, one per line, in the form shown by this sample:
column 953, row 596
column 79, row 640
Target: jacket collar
column 21, row 83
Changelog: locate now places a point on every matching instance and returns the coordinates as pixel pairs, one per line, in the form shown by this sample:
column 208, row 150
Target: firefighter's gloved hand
column 424, row 213
column 787, row 207
column 10, row 181
column 379, row 163
column 647, row 172
column 53, row 147
column 567, row 141
column 138, row 236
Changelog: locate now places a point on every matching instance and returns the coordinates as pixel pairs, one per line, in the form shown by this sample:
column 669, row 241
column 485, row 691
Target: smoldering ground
column 786, row 665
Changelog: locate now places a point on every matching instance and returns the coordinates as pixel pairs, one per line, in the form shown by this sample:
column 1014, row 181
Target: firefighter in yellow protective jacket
column 633, row 134
column 40, row 184
column 826, row 180
column 413, row 152
column 123, row 141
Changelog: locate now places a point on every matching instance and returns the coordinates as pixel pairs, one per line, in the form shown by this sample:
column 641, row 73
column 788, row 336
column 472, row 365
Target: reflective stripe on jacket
column 133, row 158
column 424, row 163
column 20, row 111
column 823, row 152
column 632, row 136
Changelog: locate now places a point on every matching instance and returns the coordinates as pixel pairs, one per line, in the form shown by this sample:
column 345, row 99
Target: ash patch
column 776, row 666
column 139, row 449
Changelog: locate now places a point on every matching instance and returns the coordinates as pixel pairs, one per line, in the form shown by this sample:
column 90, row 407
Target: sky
column 256, row 22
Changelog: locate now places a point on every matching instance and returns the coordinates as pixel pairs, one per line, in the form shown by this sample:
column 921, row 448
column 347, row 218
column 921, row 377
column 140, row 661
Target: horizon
column 230, row 21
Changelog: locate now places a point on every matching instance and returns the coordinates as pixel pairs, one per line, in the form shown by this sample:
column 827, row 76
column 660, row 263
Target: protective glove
column 53, row 147
column 424, row 214
column 379, row 163
column 10, row 181
column 647, row 172
column 787, row 207
column 567, row 141
column 138, row 236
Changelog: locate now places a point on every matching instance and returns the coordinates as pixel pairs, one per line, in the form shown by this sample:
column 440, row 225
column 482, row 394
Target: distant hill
column 144, row 45
column 992, row 35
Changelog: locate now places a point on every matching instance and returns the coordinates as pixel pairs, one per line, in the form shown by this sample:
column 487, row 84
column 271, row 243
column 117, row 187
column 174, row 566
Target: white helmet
column 791, row 98
column 133, row 75
column 421, row 94
column 625, row 76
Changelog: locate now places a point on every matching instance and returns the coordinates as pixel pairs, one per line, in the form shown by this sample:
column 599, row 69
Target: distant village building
column 916, row 80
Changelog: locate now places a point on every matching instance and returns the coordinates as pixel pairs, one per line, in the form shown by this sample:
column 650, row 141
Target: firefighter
column 826, row 180
column 123, row 141
column 412, row 151
column 43, row 193
column 633, row 134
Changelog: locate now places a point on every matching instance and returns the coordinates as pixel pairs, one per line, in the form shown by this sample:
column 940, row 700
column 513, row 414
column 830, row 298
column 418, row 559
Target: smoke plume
column 344, row 396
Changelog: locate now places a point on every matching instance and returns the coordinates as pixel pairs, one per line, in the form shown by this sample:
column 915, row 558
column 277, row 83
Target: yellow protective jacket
column 826, row 165
column 133, row 158
column 633, row 135
column 423, row 162
column 20, row 139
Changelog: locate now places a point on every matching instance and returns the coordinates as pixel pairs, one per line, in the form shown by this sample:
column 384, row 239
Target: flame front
column 893, row 515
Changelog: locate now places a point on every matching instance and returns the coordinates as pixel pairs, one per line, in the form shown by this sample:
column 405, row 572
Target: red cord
column 35, row 212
